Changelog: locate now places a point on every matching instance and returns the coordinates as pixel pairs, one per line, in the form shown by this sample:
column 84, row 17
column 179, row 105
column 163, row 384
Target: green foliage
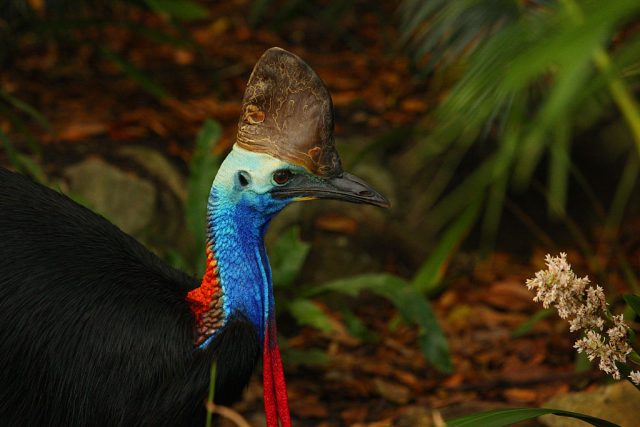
column 634, row 302
column 19, row 114
column 445, row 30
column 526, row 326
column 582, row 363
column 411, row 304
column 211, row 395
column 185, row 10
column 144, row 80
column 507, row 417
column 203, row 167
column 309, row 313
column 24, row 107
column 329, row 12
column 429, row 276
column 531, row 76
column 355, row 326
column 307, row 357
column 287, row 257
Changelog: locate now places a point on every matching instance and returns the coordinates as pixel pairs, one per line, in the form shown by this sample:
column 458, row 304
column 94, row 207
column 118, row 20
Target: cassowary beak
column 347, row 187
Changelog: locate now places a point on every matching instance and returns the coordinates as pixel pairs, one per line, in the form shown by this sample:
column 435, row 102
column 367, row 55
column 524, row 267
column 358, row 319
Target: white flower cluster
column 585, row 308
column 610, row 351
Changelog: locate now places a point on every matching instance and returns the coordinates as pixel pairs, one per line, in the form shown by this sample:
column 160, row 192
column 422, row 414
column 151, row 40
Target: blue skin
column 240, row 208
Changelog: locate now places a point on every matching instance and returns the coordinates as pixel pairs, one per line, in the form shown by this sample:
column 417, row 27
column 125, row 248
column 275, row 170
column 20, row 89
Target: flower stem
column 212, row 387
column 634, row 357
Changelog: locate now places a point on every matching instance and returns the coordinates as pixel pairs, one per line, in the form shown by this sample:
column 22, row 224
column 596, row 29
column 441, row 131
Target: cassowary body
column 96, row 330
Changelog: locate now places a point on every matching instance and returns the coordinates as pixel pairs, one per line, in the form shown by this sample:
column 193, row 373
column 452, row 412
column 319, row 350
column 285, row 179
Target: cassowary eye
column 282, row 176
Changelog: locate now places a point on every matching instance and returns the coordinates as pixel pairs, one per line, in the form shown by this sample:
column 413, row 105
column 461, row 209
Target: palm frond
column 530, row 73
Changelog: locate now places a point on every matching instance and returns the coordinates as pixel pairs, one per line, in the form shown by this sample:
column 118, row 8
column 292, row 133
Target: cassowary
column 97, row 330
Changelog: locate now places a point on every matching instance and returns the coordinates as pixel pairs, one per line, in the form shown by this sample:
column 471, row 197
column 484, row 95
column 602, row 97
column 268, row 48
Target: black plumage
column 94, row 328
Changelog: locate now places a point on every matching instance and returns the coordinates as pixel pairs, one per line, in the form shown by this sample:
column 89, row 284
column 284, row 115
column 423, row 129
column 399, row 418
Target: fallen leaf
column 520, row 395
column 337, row 223
column 509, row 295
column 76, row 131
column 392, row 392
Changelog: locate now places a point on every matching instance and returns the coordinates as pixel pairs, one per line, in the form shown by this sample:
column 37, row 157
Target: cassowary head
column 284, row 152
column 285, row 149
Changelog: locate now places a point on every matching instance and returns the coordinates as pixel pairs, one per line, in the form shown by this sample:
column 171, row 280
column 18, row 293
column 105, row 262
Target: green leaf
column 559, row 166
column 493, row 55
column 287, row 257
column 307, row 357
column 356, row 327
column 634, row 302
column 466, row 195
column 11, row 151
column 258, row 8
column 417, row 309
column 183, row 10
column 506, row 417
column 309, row 313
column 352, row 286
column 623, row 194
column 21, row 127
column 202, row 170
column 498, row 189
column 558, row 105
column 21, row 162
column 155, row 35
column 212, row 392
column 526, row 326
column 413, row 306
column 33, row 169
column 176, row 259
column 27, row 109
column 581, row 363
column 430, row 273
column 145, row 81
column 453, row 28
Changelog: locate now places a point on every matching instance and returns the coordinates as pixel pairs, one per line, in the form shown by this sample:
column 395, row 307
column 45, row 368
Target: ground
column 95, row 109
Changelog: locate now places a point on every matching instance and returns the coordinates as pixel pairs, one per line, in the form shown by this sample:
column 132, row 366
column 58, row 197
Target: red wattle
column 276, row 405
column 200, row 298
column 270, row 409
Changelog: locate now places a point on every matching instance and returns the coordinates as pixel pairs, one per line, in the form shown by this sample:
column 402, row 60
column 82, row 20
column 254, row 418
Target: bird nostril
column 365, row 193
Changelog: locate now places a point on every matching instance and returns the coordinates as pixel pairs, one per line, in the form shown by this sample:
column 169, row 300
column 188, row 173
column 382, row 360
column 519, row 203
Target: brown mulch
column 86, row 96
column 382, row 383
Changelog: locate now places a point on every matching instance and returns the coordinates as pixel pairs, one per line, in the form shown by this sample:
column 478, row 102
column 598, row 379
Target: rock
column 618, row 403
column 414, row 416
column 159, row 167
column 124, row 199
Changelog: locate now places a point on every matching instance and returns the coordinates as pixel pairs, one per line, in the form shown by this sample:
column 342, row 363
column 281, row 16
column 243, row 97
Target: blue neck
column 237, row 232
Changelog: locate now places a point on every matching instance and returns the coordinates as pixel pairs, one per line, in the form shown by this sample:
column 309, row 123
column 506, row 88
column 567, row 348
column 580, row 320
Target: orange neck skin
column 206, row 302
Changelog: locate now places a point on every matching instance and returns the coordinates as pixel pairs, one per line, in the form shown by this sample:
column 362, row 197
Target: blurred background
column 501, row 131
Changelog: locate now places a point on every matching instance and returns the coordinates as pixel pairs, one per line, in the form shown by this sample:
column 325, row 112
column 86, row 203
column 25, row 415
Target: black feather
column 94, row 328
